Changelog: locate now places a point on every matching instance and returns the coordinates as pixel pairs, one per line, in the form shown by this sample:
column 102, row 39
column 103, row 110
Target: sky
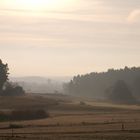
column 69, row 37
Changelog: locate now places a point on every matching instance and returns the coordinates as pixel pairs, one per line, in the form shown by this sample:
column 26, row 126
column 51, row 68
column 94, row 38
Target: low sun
column 42, row 4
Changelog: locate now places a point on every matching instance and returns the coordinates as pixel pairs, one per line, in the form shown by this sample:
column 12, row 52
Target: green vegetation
column 3, row 75
column 7, row 88
column 120, row 93
column 96, row 85
column 4, row 117
column 28, row 114
column 23, row 115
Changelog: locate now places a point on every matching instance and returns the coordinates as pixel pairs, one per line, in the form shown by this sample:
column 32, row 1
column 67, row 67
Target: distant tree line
column 120, row 86
column 7, row 88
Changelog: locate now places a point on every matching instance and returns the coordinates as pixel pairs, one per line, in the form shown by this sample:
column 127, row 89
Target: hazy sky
column 69, row 37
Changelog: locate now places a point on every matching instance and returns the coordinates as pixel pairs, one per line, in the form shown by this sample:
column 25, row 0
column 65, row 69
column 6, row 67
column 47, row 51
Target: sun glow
column 42, row 4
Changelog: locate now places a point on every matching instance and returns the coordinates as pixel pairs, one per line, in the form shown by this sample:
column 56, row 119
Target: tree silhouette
column 136, row 86
column 120, row 93
column 95, row 84
column 3, row 74
column 13, row 89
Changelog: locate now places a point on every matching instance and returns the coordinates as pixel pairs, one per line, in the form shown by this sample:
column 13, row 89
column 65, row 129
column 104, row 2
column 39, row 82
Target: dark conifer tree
column 3, row 75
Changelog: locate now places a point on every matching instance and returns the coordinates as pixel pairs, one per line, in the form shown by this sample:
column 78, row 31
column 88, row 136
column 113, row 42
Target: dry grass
column 71, row 120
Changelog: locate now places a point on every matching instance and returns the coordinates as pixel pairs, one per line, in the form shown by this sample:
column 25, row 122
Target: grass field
column 71, row 118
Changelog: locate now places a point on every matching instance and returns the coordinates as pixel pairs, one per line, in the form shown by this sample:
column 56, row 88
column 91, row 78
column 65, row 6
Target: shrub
column 4, row 117
column 28, row 114
column 12, row 89
column 82, row 103
column 15, row 126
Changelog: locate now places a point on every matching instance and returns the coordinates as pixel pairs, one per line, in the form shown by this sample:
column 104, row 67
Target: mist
column 70, row 69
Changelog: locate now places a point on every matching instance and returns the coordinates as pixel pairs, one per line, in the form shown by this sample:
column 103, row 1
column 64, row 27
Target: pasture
column 70, row 118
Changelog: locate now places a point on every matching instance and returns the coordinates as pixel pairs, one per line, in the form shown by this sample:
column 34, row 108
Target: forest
column 122, row 85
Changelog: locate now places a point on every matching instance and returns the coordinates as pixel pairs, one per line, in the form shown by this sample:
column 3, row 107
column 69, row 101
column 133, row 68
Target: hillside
column 70, row 118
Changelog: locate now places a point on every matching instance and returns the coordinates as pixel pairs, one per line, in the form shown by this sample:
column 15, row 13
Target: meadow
column 70, row 118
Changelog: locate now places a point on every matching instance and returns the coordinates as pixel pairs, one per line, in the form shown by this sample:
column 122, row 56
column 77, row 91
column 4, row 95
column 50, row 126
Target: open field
column 71, row 119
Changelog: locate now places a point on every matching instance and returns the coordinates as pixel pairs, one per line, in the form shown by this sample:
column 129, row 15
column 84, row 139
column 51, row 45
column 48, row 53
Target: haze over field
column 68, row 37
column 70, row 69
column 41, row 84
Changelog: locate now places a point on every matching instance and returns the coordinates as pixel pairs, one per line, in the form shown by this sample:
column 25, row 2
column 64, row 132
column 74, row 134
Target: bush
column 15, row 126
column 28, row 114
column 12, row 89
column 4, row 117
column 82, row 103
